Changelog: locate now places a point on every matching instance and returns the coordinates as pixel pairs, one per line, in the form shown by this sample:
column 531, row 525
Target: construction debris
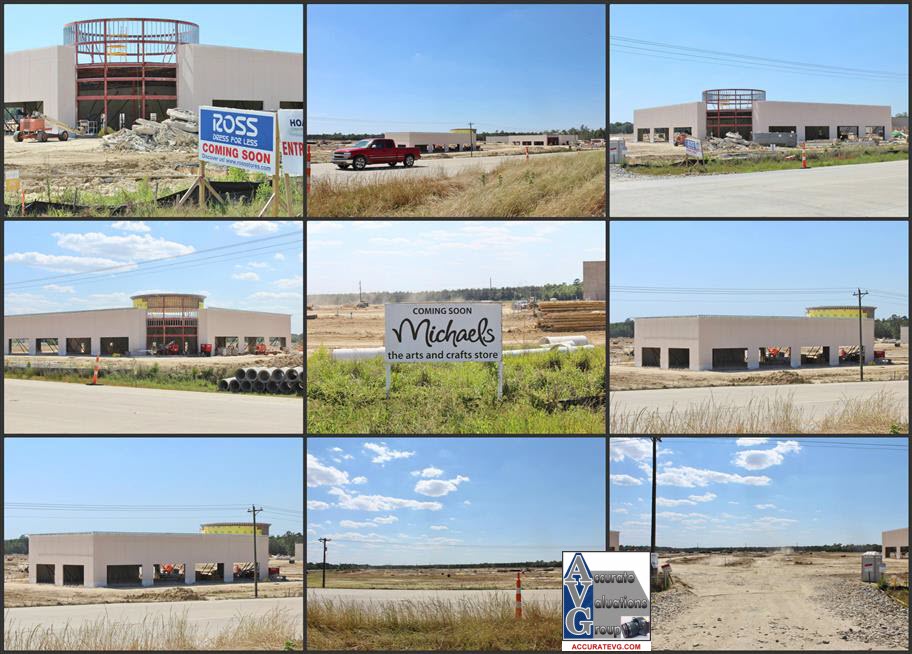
column 572, row 316
column 179, row 133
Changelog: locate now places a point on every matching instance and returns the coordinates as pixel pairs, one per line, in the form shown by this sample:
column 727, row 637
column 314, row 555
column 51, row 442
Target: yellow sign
column 11, row 177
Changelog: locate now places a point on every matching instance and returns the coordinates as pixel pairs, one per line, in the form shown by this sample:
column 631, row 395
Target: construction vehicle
column 40, row 127
column 169, row 348
column 206, row 349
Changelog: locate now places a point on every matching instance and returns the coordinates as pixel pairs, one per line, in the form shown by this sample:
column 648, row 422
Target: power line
column 781, row 61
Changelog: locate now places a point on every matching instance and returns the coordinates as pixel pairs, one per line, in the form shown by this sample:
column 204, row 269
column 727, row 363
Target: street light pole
column 861, row 354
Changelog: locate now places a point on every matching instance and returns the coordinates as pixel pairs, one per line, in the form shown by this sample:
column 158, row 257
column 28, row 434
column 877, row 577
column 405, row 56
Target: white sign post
column 445, row 332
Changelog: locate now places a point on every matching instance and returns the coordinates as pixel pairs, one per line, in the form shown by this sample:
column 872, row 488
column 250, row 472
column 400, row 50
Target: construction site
column 114, row 109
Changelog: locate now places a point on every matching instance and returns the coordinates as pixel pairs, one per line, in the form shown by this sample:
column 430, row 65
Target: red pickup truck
column 374, row 151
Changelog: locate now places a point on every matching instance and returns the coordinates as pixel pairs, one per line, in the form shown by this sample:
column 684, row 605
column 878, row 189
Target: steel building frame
column 731, row 110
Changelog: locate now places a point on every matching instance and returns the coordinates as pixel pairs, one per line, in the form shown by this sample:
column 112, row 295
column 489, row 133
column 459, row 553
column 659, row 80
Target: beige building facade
column 614, row 541
column 895, row 544
column 595, row 280
column 659, row 123
column 178, row 318
column 105, row 558
column 708, row 342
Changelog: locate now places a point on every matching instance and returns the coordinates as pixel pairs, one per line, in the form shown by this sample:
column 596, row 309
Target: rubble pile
column 732, row 141
column 178, row 133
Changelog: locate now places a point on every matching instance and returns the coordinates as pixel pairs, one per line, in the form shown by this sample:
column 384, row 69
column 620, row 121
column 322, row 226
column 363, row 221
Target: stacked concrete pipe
column 286, row 381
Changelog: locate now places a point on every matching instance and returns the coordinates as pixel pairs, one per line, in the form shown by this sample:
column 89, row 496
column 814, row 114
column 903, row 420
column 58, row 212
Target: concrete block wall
column 45, row 75
column 687, row 114
column 819, row 114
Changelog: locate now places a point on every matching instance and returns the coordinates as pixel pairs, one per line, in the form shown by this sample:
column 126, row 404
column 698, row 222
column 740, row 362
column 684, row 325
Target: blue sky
column 765, row 492
column 756, row 255
column 245, row 277
column 863, row 36
column 260, row 26
column 510, row 67
column 454, row 500
column 132, row 472
column 428, row 255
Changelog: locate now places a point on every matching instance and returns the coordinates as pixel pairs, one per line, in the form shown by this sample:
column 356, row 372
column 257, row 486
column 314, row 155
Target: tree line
column 447, row 566
column 583, row 132
column 621, row 128
column 561, row 291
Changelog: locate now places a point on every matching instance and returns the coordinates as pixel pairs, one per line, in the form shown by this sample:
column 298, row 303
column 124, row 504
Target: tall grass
column 878, row 414
column 467, row 625
column 565, row 185
column 277, row 630
column 349, row 396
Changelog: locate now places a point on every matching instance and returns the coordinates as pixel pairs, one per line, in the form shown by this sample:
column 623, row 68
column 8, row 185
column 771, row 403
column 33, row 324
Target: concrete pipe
column 571, row 340
column 225, row 384
column 246, row 386
column 291, row 375
column 289, row 387
column 240, row 373
column 234, row 386
column 278, row 375
column 259, row 386
column 263, row 375
column 301, row 386
column 516, row 353
column 254, row 373
column 272, row 387
column 358, row 353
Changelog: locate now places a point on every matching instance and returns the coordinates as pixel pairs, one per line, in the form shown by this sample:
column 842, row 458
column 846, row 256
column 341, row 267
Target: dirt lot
column 436, row 578
column 624, row 376
column 778, row 601
column 72, row 164
column 345, row 326
column 164, row 362
column 322, row 151
column 18, row 592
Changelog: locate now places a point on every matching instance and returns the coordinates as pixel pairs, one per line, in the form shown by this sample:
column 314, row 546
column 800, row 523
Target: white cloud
column 58, row 289
column 316, row 505
column 761, row 459
column 336, row 449
column 687, row 477
column 745, row 442
column 732, row 502
column 290, row 282
column 385, row 453
column 254, row 227
column 127, row 248
column 380, row 502
column 418, row 543
column 439, row 487
column 662, row 501
column 706, row 497
column 388, row 520
column 351, row 524
column 64, row 264
column 246, row 276
column 131, row 226
column 637, row 449
column 372, row 224
column 269, row 295
column 359, row 480
column 427, row 473
column 467, row 503
column 258, row 264
column 767, row 522
column 439, row 527
column 278, row 256
column 621, row 510
column 764, row 506
column 625, row 480
column 347, row 457
column 322, row 226
column 319, row 474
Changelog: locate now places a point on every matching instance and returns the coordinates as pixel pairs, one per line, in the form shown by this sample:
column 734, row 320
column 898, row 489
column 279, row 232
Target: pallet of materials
column 572, row 315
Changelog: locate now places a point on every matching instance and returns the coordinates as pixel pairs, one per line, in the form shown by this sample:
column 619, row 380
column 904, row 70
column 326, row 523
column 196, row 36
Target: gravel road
column 432, row 167
column 870, row 190
column 774, row 604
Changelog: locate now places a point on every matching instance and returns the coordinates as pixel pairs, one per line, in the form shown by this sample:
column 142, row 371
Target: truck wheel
column 63, row 136
column 360, row 163
column 342, row 166
column 17, row 137
column 392, row 163
column 409, row 160
column 42, row 136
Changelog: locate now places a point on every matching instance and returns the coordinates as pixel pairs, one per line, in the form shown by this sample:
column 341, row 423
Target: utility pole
column 861, row 354
column 471, row 141
column 652, row 549
column 324, row 540
column 360, row 299
column 256, row 571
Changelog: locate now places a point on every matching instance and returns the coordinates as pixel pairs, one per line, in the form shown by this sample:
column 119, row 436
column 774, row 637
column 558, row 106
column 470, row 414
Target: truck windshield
column 361, row 144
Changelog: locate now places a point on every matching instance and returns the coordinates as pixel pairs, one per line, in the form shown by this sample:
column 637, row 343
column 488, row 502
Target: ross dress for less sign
column 446, row 331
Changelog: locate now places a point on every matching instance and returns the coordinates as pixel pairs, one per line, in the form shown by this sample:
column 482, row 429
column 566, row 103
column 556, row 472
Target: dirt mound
column 170, row 595
column 780, row 377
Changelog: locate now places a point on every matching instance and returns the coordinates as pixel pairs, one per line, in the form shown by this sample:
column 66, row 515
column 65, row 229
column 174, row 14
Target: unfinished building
column 751, row 342
column 115, row 70
column 117, row 558
column 614, row 541
column 747, row 111
column 173, row 323
column 895, row 543
column 595, row 280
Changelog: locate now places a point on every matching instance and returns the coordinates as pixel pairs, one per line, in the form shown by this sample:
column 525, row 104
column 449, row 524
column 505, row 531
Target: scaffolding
column 731, row 110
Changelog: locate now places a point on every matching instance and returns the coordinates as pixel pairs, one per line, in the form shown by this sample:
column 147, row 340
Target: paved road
column 210, row 616
column 814, row 400
column 380, row 598
column 431, row 167
column 873, row 190
column 41, row 407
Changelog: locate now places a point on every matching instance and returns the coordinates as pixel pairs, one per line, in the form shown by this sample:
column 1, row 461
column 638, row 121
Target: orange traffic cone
column 804, row 156
column 95, row 375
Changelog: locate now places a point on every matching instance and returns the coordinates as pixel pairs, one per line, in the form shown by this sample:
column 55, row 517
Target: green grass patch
column 760, row 163
column 349, row 396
